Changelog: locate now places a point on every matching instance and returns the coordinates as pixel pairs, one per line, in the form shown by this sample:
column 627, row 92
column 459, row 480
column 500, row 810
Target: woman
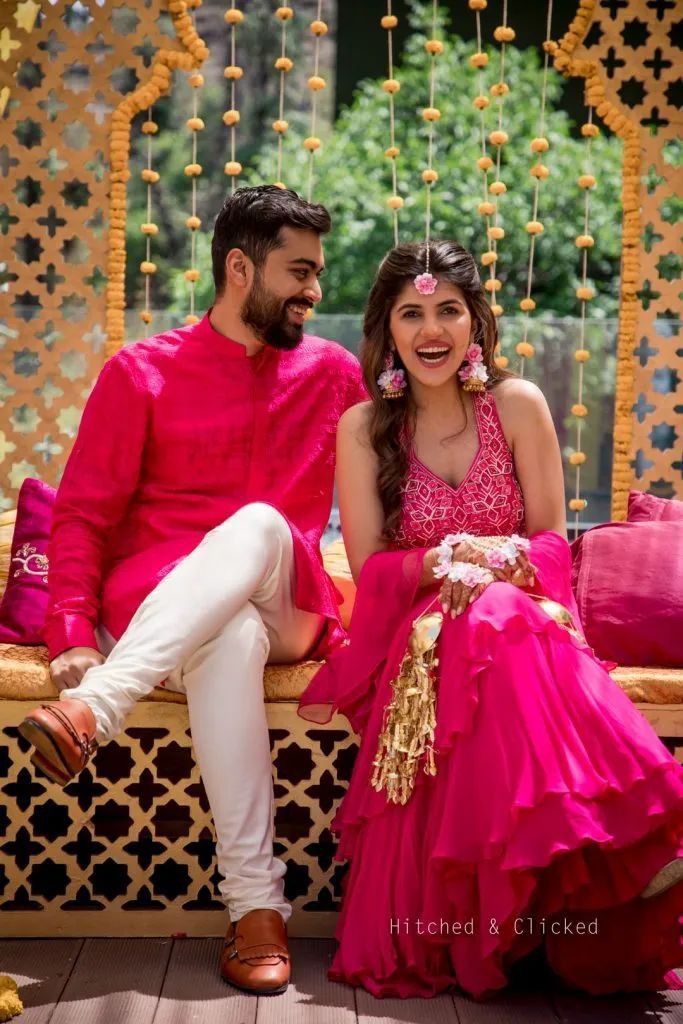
column 544, row 809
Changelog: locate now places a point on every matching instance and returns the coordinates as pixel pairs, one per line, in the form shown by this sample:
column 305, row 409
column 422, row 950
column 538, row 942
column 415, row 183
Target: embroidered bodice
column 487, row 501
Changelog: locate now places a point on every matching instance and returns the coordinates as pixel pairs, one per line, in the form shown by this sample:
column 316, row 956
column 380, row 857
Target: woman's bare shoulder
column 521, row 407
column 518, row 392
column 355, row 422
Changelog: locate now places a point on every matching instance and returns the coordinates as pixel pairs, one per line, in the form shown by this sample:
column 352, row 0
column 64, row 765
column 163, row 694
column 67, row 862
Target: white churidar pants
column 209, row 627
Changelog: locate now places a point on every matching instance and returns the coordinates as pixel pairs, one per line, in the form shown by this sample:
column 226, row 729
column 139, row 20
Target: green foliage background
column 353, row 179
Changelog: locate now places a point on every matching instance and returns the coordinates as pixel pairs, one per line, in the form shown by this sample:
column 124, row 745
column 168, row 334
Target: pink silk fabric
column 487, row 501
column 180, row 431
column 554, row 801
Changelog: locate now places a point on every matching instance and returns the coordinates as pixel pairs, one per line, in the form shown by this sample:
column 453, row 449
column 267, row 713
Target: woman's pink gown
column 554, row 801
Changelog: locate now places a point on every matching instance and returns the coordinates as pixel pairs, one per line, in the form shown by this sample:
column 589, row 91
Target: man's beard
column 266, row 315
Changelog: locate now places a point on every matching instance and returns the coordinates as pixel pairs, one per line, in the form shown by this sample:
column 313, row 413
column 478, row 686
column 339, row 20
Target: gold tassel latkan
column 410, row 718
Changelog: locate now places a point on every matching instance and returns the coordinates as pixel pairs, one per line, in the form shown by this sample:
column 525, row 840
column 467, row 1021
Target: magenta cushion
column 24, row 603
column 646, row 508
column 628, row 582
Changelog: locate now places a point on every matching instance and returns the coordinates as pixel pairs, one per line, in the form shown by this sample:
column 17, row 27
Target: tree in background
column 353, row 180
column 352, row 177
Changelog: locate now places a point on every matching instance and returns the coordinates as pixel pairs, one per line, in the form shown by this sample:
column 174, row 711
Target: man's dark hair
column 251, row 218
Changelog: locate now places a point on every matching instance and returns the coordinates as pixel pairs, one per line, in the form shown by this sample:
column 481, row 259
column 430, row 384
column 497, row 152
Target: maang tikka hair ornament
column 472, row 373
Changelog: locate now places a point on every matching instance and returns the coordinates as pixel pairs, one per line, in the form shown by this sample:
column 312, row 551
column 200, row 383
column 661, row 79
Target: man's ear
column 237, row 268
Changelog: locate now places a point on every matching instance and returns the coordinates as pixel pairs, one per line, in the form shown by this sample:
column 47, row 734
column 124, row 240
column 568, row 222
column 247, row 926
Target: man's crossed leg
column 209, row 627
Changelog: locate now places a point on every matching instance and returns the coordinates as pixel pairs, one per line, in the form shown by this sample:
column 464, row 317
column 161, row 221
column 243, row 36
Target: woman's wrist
column 429, row 563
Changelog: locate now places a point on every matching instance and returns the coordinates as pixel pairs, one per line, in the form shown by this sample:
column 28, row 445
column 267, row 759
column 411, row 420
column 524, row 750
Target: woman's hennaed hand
column 456, row 597
column 521, row 572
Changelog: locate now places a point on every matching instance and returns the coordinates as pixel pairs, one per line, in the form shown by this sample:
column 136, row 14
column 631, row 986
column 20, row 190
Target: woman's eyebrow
column 416, row 305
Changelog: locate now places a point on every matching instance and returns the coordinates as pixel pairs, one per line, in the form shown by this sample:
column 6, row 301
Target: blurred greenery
column 353, row 178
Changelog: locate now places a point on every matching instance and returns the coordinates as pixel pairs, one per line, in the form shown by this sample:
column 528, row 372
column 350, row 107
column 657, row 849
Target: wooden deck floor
column 167, row 981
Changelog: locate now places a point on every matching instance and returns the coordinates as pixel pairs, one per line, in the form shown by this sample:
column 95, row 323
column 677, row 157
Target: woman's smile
column 433, row 354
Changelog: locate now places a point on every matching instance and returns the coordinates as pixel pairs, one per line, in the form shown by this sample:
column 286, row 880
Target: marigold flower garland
column 629, row 131
column 233, row 72
column 431, row 115
column 391, row 86
column 539, row 173
column 149, row 229
column 193, row 171
column 315, row 83
column 584, row 293
column 284, row 65
column 488, row 208
column 166, row 61
column 503, row 35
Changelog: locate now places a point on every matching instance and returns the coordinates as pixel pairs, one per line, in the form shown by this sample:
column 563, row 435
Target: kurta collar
column 226, row 346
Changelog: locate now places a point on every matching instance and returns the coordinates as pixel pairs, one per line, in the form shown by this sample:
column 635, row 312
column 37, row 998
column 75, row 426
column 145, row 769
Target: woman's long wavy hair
column 392, row 420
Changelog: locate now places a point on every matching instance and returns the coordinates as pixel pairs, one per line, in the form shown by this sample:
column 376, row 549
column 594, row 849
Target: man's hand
column 69, row 667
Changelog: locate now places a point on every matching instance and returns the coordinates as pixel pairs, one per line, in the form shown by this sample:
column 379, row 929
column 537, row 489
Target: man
column 186, row 542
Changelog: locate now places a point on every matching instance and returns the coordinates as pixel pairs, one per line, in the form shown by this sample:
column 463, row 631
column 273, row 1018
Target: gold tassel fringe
column 409, row 719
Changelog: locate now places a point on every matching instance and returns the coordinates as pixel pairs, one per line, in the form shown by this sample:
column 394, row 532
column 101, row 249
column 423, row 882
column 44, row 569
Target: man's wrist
column 63, row 632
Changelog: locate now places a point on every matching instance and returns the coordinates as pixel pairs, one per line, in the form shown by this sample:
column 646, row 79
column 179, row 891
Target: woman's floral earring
column 392, row 381
column 473, row 373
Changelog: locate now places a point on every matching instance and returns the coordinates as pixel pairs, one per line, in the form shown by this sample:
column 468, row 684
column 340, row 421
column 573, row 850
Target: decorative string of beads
column 503, row 34
column 584, row 293
column 431, row 115
column 534, row 227
column 284, row 65
column 193, row 170
column 488, row 207
column 233, row 72
column 479, row 61
column 391, row 86
column 316, row 83
column 148, row 229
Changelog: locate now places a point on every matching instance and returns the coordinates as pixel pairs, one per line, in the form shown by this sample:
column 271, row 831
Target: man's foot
column 63, row 734
column 671, row 874
column 255, row 955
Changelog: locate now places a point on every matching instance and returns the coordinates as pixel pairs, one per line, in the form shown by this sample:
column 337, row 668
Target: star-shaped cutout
column 26, row 14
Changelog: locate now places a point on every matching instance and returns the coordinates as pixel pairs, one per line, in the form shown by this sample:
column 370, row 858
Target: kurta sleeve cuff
column 68, row 631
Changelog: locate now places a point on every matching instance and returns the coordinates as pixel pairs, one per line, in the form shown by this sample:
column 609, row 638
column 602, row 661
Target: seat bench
column 128, row 847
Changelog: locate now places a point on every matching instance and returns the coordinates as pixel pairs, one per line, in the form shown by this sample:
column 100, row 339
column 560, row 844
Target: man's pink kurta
column 180, row 431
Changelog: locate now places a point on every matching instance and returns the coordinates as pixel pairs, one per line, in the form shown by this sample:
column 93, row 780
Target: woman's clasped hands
column 467, row 565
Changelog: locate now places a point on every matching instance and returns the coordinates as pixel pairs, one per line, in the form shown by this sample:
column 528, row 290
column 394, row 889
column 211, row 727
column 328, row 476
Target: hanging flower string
column 391, row 86
column 315, row 84
column 426, row 283
column 486, row 208
column 630, row 133
column 539, row 173
column 233, row 72
column 503, row 34
column 193, row 171
column 284, row 65
column 584, row 293
column 149, row 228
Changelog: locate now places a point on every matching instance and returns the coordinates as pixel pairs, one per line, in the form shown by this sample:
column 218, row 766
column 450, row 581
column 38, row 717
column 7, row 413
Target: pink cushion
column 646, row 508
column 628, row 582
column 24, row 603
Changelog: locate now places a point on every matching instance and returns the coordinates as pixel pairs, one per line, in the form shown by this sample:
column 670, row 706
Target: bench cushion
column 25, row 674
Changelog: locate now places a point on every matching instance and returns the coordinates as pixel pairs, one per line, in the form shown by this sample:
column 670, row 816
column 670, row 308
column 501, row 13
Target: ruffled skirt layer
column 553, row 806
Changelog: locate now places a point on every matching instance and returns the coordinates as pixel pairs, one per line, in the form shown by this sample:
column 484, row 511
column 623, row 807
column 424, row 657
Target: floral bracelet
column 498, row 551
